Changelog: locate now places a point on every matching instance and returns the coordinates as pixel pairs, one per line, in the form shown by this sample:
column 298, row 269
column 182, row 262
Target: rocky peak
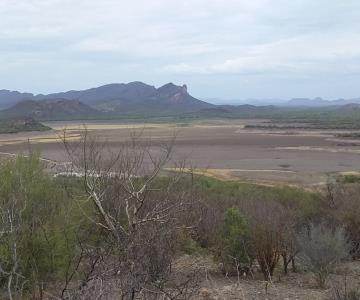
column 171, row 89
column 184, row 89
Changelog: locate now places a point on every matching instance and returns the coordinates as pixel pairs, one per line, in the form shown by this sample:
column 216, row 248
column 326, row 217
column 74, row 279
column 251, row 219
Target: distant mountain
column 140, row 98
column 9, row 98
column 50, row 109
column 295, row 102
column 106, row 93
column 130, row 98
column 319, row 102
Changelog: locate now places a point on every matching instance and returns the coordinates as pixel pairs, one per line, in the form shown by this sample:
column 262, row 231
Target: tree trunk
column 285, row 263
column 293, row 265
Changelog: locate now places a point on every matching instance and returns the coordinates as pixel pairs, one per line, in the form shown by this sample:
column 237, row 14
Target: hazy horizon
column 228, row 49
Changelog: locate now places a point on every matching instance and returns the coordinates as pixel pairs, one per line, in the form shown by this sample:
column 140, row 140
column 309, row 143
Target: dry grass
column 38, row 139
column 107, row 126
column 236, row 176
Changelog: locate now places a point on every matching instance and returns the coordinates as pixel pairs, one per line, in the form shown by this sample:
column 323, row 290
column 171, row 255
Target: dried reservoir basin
column 221, row 149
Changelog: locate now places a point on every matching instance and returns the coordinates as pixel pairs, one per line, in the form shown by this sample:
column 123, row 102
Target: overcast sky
column 232, row 49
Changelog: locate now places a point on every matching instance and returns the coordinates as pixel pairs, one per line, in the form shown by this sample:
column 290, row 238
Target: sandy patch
column 350, row 173
column 321, row 149
column 235, row 175
column 94, row 126
column 34, row 139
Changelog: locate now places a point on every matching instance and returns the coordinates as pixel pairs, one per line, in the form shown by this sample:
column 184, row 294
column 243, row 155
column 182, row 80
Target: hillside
column 140, row 98
column 119, row 98
column 141, row 101
column 133, row 91
column 111, row 101
column 22, row 124
column 136, row 98
column 166, row 100
column 9, row 98
column 53, row 109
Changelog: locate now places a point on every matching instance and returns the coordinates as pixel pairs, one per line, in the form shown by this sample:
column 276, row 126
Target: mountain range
column 319, row 102
column 135, row 99
column 294, row 102
column 126, row 99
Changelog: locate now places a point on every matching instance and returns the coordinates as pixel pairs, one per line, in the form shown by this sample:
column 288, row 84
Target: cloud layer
column 220, row 48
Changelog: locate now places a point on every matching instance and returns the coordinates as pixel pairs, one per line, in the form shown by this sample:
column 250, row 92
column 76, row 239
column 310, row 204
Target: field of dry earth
column 222, row 149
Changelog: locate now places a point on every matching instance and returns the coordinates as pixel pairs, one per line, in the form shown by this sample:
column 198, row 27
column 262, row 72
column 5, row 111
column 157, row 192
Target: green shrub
column 42, row 225
column 237, row 253
column 231, row 193
column 350, row 178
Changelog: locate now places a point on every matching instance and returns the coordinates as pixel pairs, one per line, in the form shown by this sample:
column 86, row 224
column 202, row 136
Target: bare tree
column 322, row 249
column 340, row 204
column 267, row 231
column 290, row 246
column 137, row 210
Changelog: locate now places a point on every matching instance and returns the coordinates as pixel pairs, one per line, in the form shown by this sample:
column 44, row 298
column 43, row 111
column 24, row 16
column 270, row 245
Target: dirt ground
column 225, row 149
column 294, row 286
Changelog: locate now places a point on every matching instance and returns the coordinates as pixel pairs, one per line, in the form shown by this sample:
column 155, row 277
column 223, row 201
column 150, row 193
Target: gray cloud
column 228, row 48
